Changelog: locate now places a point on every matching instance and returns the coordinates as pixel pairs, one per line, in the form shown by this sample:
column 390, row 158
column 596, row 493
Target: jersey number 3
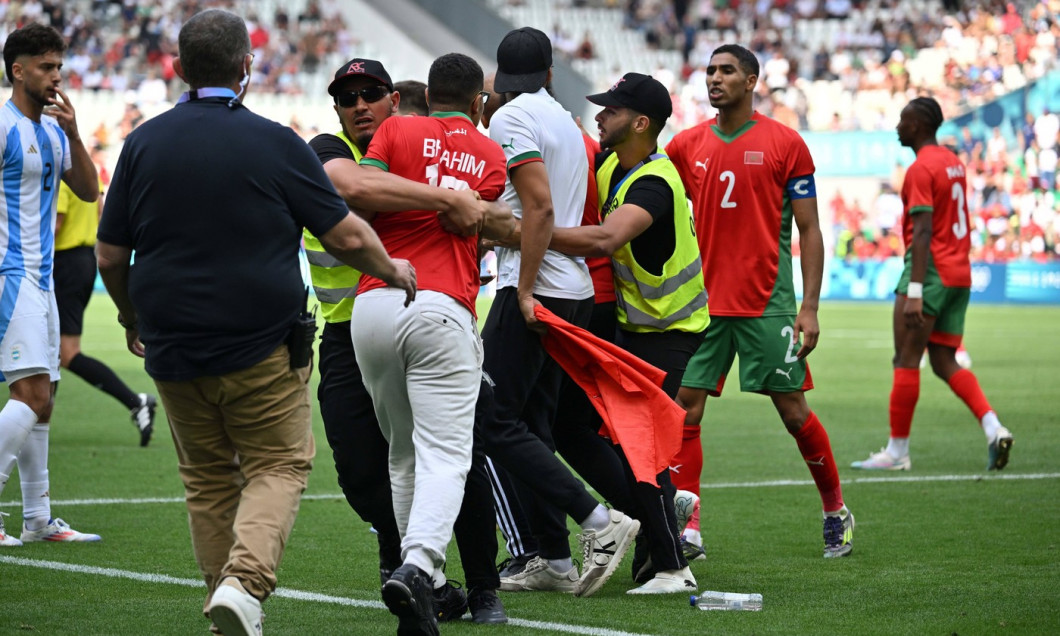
column 960, row 228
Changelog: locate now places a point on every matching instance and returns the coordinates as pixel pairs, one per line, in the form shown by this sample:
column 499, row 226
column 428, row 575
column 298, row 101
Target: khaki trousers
column 245, row 449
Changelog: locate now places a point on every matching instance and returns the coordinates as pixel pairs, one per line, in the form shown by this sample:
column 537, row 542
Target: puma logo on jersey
column 32, row 149
column 786, row 374
column 510, row 144
column 703, row 164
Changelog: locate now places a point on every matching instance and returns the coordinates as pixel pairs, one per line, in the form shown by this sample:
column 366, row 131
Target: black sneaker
column 143, row 417
column 486, row 607
column 408, row 596
column 450, row 602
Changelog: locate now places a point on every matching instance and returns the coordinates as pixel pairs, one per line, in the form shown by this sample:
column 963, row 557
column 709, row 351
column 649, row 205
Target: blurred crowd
column 1012, row 200
column 128, row 46
column 964, row 54
column 834, row 65
column 878, row 55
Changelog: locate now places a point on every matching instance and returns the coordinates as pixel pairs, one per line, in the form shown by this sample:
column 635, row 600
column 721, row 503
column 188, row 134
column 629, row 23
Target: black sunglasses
column 369, row 94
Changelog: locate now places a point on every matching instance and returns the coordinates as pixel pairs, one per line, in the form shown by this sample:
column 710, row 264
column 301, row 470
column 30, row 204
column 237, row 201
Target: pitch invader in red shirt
column 422, row 363
column 748, row 177
column 932, row 295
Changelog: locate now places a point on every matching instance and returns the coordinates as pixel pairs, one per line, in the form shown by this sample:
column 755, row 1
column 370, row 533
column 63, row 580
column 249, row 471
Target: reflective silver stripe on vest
column 322, row 259
column 333, row 296
column 635, row 316
column 668, row 286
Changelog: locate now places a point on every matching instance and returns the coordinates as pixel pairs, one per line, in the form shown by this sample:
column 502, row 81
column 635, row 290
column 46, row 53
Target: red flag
column 625, row 390
column 752, row 157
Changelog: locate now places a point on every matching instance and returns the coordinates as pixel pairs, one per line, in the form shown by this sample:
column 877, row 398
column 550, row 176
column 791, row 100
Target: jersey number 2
column 730, row 177
column 789, row 333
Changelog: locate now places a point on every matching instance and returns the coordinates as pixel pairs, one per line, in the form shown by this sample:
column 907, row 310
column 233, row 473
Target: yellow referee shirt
column 80, row 219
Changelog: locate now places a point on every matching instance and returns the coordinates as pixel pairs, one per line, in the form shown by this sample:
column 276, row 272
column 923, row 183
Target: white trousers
column 422, row 365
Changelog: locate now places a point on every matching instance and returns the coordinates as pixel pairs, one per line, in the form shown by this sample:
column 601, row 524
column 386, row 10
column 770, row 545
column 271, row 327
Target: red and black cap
column 360, row 67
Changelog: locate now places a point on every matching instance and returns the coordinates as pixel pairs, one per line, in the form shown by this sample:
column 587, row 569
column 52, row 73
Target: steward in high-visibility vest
column 659, row 315
column 675, row 299
column 334, row 282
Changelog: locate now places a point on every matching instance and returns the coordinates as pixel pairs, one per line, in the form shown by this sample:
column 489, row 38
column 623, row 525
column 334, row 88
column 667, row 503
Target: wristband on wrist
column 127, row 325
column 916, row 290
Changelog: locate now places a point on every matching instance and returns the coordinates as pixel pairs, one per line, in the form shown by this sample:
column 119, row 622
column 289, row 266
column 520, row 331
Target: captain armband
column 801, row 187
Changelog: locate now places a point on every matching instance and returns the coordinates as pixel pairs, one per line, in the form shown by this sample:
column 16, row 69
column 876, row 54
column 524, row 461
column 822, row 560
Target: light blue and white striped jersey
column 33, row 158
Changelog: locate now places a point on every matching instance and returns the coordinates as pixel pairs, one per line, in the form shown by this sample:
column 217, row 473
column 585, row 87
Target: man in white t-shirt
column 547, row 179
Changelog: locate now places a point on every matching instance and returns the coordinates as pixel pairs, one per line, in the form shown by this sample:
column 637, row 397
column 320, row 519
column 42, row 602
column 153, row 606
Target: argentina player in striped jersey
column 39, row 145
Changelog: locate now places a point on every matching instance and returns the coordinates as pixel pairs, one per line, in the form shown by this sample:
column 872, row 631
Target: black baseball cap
column 523, row 59
column 358, row 67
column 639, row 92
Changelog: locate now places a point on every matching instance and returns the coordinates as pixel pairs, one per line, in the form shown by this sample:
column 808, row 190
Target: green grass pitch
column 943, row 549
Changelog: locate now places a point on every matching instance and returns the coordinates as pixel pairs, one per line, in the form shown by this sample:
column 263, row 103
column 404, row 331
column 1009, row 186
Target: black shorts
column 75, row 278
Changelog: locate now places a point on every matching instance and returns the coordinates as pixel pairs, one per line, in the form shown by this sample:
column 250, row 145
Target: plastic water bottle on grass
column 727, row 601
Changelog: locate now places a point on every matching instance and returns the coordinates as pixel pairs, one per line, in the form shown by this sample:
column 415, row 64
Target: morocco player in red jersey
column 749, row 177
column 932, row 295
column 422, row 363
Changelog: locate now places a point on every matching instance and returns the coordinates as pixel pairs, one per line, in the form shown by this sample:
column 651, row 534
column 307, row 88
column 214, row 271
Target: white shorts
column 29, row 331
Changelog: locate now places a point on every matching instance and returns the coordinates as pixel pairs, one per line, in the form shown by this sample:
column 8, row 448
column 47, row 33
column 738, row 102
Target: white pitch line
column 893, row 478
column 706, row 486
column 297, row 595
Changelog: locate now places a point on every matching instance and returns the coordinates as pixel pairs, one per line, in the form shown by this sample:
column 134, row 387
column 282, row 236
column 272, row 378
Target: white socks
column 990, row 425
column 16, row 422
column 33, row 475
column 898, row 447
column 598, row 519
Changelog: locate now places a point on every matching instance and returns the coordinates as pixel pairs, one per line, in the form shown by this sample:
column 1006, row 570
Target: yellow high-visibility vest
column 676, row 300
column 334, row 282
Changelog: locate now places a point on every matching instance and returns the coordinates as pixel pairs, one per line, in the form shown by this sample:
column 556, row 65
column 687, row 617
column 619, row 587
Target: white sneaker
column 883, row 461
column 602, row 551
column 539, row 576
column 57, row 530
column 6, row 539
column 669, row 582
column 234, row 610
column 684, row 505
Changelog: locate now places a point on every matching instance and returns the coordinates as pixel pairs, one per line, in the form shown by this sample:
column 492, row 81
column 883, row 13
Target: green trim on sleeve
column 921, row 208
column 532, row 155
column 368, row 161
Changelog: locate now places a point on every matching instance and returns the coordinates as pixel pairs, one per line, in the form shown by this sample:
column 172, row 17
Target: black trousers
column 360, row 452
column 357, row 445
column 519, row 437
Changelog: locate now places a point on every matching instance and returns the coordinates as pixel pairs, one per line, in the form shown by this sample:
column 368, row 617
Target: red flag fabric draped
column 625, row 391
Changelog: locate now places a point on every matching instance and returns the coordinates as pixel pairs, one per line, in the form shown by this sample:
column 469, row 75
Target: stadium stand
column 827, row 66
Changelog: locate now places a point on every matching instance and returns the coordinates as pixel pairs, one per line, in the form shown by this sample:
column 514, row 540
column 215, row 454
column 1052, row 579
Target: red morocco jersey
column 445, row 150
column 741, row 188
column 935, row 184
column 599, row 266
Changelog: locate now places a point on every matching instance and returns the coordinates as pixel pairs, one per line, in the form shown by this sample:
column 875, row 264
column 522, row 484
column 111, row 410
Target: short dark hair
column 413, row 100
column 928, row 111
column 32, row 39
column 748, row 61
column 453, row 81
column 211, row 48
